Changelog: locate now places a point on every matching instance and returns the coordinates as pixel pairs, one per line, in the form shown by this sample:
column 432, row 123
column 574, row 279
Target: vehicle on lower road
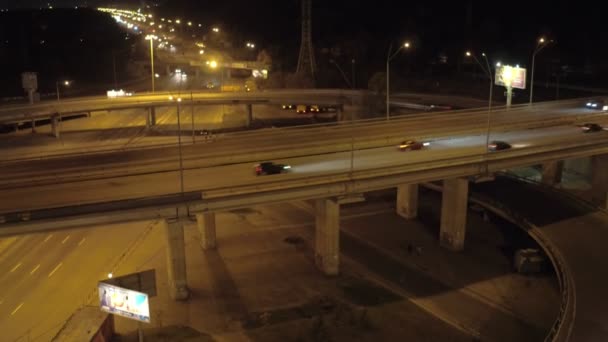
column 596, row 104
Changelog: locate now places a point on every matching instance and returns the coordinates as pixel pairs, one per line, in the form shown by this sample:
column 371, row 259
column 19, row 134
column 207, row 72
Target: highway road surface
column 47, row 276
column 29, row 197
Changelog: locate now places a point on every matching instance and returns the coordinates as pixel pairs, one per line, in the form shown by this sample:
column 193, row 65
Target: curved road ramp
column 574, row 235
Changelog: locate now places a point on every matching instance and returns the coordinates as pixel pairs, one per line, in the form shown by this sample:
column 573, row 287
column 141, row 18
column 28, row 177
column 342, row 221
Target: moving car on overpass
column 412, row 145
column 270, row 168
column 591, row 127
column 497, row 145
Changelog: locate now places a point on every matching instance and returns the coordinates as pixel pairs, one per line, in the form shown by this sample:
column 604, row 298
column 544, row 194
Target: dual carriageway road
column 312, row 151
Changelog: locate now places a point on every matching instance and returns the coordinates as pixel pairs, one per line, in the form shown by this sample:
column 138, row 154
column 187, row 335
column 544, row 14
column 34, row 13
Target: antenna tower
column 306, row 61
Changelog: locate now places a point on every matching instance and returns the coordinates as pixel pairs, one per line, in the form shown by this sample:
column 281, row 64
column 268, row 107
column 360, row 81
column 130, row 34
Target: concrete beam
column 454, row 213
column 599, row 180
column 327, row 236
column 552, row 172
column 206, row 228
column 176, row 260
column 407, row 201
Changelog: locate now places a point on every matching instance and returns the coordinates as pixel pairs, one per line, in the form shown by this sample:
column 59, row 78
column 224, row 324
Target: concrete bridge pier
column 176, row 259
column 407, row 201
column 599, row 180
column 206, row 228
column 454, row 213
column 552, row 172
column 327, row 236
column 151, row 117
column 55, row 130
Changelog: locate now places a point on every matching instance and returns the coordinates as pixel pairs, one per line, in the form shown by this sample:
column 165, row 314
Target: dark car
column 411, row 145
column 270, row 168
column 288, row 106
column 596, row 104
column 591, row 127
column 498, row 146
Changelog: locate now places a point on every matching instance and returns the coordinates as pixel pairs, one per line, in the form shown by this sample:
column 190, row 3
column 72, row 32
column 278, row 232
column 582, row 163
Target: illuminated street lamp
column 250, row 45
column 63, row 83
column 488, row 71
column 179, row 143
column 177, row 21
column 151, row 38
column 542, row 43
column 213, row 64
column 216, row 29
column 189, row 23
column 389, row 57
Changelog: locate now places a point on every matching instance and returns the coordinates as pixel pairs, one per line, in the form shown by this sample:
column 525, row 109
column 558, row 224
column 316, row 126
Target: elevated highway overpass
column 541, row 134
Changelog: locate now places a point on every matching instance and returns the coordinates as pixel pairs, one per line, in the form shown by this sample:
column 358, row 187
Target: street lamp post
column 65, row 83
column 488, row 71
column 389, row 57
column 151, row 38
column 541, row 45
column 341, row 72
column 179, row 147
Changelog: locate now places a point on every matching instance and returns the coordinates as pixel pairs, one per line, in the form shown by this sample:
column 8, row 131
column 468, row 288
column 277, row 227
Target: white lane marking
column 47, row 238
column 66, row 239
column 35, row 269
column 55, row 269
column 81, row 241
column 16, row 267
column 16, row 309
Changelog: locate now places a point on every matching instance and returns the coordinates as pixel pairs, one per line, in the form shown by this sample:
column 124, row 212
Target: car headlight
column 605, row 108
column 287, row 167
column 594, row 105
column 588, row 104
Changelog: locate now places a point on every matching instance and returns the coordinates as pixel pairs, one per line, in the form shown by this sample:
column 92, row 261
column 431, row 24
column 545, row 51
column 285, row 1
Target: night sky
column 364, row 29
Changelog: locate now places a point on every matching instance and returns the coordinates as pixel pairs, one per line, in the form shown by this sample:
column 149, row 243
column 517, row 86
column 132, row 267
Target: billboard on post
column 123, row 302
column 507, row 75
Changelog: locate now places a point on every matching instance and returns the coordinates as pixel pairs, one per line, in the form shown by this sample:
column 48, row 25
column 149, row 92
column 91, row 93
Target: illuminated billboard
column 507, row 75
column 127, row 303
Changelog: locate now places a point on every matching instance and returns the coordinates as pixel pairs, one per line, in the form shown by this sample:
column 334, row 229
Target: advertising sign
column 29, row 80
column 123, row 302
column 507, row 75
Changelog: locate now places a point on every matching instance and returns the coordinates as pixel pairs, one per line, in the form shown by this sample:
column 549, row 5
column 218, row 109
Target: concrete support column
column 552, row 172
column 176, row 260
column 168, row 70
column 339, row 114
column 206, row 228
column 454, row 213
column 599, row 180
column 407, row 201
column 327, row 236
column 33, row 126
column 55, row 131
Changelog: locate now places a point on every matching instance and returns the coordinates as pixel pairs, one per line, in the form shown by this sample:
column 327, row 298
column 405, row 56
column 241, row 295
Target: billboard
column 127, row 303
column 29, row 80
column 507, row 75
